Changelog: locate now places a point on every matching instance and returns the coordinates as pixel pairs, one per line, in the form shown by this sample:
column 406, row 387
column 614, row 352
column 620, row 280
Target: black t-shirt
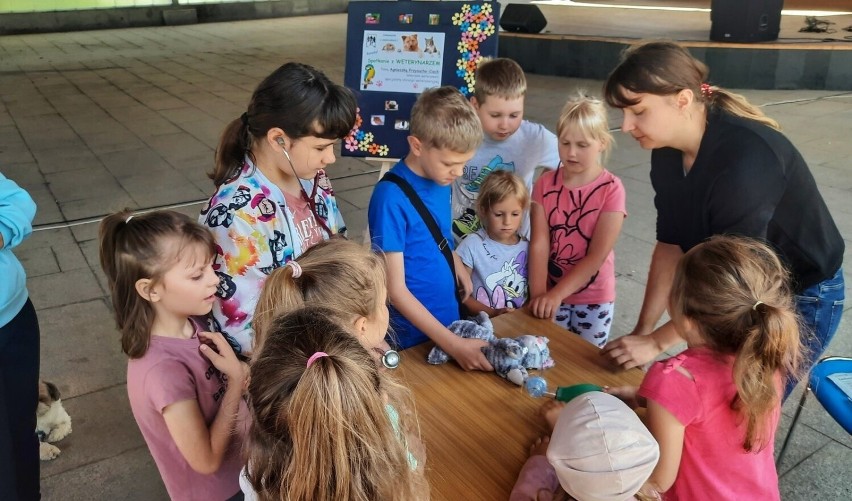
column 748, row 180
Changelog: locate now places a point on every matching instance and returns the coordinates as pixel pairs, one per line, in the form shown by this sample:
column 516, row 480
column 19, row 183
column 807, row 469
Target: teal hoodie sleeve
column 17, row 210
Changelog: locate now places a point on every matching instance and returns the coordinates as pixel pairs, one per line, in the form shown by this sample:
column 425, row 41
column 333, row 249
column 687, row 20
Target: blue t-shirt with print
column 396, row 226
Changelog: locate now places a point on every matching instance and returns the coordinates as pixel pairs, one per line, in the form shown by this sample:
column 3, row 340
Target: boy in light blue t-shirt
column 511, row 143
column 445, row 132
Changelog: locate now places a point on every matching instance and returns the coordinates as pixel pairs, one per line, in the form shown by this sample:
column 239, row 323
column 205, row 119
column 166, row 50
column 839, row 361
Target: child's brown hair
column 498, row 186
column 442, row 118
column 143, row 246
column 737, row 293
column 325, row 430
column 344, row 276
column 501, row 77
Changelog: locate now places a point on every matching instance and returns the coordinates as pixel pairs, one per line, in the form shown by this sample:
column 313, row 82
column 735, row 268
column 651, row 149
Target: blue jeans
column 820, row 307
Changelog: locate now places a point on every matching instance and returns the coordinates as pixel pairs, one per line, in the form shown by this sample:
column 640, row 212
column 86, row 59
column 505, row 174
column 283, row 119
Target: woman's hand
column 631, row 351
column 545, row 306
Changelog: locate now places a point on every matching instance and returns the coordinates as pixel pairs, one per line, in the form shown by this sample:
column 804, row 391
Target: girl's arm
column 205, row 448
column 17, row 210
column 668, row 432
column 539, row 250
column 603, row 240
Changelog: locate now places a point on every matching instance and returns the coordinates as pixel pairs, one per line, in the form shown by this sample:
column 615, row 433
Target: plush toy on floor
column 52, row 422
column 510, row 357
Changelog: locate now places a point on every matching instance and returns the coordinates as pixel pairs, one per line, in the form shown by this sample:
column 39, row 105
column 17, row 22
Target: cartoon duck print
column 508, row 285
column 369, row 73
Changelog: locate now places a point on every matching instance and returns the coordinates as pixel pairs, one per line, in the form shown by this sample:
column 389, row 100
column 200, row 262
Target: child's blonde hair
column 737, row 292
column 324, row 431
column 589, row 116
column 346, row 277
column 442, row 118
column 501, row 77
column 144, row 246
column 498, row 186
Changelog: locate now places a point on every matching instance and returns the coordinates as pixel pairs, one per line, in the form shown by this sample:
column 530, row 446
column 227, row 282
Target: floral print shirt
column 255, row 233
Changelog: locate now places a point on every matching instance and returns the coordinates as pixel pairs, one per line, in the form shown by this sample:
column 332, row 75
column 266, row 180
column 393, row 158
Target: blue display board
column 395, row 50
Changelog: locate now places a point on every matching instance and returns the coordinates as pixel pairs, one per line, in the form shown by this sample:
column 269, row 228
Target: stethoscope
column 312, row 204
column 390, row 359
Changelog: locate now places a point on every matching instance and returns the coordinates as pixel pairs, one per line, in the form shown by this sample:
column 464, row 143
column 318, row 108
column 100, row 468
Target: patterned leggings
column 591, row 321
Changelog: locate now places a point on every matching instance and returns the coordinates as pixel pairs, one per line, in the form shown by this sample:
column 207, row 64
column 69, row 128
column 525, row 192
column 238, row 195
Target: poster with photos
column 396, row 50
column 401, row 61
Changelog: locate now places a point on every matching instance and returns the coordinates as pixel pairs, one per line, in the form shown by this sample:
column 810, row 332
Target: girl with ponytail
column 185, row 385
column 720, row 166
column 273, row 199
column 715, row 407
column 328, row 423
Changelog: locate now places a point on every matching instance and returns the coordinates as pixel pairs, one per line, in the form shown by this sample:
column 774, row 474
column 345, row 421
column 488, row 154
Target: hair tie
column 756, row 305
column 128, row 219
column 297, row 268
column 314, row 357
column 244, row 118
column 706, row 90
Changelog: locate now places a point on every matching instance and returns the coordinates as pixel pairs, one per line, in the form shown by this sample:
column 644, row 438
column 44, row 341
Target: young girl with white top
column 185, row 385
column 273, row 200
column 576, row 217
column 496, row 254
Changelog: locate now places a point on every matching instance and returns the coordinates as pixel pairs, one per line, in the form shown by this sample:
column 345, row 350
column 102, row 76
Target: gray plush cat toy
column 510, row 357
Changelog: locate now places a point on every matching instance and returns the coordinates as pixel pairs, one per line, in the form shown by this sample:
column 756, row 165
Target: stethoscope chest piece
column 391, row 359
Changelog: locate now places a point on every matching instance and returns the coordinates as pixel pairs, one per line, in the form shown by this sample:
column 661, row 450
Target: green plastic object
column 567, row 393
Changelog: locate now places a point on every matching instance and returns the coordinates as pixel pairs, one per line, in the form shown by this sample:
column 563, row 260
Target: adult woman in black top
column 720, row 166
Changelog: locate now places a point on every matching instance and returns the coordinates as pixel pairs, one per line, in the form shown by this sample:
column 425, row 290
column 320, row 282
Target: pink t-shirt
column 572, row 215
column 173, row 370
column 714, row 464
column 310, row 232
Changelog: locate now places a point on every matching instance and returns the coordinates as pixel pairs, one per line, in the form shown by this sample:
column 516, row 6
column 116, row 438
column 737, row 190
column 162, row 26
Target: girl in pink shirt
column 576, row 216
column 185, row 385
column 714, row 408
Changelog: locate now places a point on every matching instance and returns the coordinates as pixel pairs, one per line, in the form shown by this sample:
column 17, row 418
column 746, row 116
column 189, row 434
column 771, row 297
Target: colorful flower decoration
column 476, row 23
column 359, row 140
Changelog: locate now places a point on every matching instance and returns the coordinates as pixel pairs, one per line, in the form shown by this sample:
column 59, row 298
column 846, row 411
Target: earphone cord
column 312, row 205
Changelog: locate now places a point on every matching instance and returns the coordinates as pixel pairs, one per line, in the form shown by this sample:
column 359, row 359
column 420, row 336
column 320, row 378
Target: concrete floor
column 92, row 122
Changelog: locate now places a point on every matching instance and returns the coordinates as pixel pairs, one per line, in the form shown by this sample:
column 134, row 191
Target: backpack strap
column 440, row 240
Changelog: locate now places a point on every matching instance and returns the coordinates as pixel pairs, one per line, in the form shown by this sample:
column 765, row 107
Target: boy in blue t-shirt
column 445, row 133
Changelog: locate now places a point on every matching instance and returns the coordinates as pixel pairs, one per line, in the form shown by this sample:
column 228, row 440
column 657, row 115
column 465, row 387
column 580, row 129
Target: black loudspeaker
column 745, row 20
column 522, row 18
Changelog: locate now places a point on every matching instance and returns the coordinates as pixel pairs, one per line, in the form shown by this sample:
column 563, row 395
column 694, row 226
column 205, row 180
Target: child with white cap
column 599, row 450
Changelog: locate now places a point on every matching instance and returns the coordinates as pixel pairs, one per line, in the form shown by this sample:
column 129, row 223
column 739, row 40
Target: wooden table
column 477, row 427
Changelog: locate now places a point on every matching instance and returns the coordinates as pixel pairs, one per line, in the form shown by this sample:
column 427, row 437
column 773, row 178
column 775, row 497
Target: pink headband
column 315, row 356
column 297, row 268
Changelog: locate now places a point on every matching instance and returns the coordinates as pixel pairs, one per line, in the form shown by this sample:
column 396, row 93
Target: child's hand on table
column 549, row 412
